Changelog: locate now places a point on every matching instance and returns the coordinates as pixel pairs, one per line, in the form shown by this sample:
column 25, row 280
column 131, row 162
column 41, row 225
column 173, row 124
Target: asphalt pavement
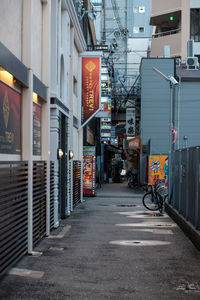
column 111, row 247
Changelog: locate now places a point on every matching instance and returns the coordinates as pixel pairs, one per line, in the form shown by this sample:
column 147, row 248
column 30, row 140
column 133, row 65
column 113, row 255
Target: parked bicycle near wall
column 156, row 197
column 132, row 177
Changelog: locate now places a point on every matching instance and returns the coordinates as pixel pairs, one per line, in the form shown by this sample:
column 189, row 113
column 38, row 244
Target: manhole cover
column 126, row 205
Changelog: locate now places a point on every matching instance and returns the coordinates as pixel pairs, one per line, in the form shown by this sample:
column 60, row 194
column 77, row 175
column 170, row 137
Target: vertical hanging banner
column 130, row 121
column 90, row 88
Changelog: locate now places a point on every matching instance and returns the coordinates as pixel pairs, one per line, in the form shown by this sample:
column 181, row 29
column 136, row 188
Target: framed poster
column 10, row 120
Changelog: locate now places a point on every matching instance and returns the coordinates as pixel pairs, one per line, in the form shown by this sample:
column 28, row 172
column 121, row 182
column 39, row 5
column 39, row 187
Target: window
column 141, row 29
column 195, row 24
column 141, row 9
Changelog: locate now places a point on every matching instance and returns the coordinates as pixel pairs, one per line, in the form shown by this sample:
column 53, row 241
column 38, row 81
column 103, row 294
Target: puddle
column 154, row 231
column 188, row 287
column 126, row 205
column 148, row 224
column 139, row 243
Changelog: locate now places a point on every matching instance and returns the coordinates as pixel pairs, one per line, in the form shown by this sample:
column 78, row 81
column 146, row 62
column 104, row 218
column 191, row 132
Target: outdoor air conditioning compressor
column 192, row 63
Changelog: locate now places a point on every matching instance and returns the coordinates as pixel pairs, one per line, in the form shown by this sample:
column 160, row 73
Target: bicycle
column 154, row 199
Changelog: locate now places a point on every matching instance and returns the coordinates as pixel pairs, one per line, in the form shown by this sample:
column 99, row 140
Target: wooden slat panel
column 13, row 212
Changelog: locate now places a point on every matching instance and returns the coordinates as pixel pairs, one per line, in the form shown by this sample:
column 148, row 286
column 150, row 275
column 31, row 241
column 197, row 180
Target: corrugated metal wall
column 186, row 184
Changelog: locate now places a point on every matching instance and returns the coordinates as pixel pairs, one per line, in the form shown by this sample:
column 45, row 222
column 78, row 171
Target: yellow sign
column 158, row 168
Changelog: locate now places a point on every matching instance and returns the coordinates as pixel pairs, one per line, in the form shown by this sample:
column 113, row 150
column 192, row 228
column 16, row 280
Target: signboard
column 90, row 88
column 134, row 144
column 130, row 121
column 89, row 170
column 10, row 120
column 158, row 168
column 89, row 150
column 36, row 129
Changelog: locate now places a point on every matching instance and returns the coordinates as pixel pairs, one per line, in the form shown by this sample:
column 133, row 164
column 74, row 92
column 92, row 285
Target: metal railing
column 164, row 33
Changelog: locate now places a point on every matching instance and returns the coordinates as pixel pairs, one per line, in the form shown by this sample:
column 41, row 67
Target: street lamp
column 173, row 82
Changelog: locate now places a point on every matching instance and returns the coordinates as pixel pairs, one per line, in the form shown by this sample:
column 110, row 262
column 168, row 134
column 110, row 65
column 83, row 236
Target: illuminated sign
column 90, row 87
column 10, row 120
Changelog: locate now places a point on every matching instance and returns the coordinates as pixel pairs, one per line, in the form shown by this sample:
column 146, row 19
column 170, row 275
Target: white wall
column 138, row 49
column 37, row 39
column 11, row 31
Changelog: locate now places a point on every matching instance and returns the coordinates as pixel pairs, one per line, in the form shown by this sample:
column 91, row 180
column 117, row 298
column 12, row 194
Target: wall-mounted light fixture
column 59, row 153
column 71, row 154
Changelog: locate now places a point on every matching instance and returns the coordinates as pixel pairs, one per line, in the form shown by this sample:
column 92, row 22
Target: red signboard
column 90, row 87
column 10, row 120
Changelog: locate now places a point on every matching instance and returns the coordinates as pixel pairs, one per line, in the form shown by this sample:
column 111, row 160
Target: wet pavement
column 111, row 247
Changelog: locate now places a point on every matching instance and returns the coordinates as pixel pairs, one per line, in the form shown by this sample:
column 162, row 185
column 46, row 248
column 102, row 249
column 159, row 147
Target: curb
column 190, row 231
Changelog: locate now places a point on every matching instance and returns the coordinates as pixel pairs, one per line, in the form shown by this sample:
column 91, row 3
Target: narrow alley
column 111, row 247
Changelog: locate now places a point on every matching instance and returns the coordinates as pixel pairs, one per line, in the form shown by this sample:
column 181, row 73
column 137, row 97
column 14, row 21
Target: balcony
column 162, row 39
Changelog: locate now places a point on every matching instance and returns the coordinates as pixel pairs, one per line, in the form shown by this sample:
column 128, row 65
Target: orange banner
column 158, row 168
column 90, row 87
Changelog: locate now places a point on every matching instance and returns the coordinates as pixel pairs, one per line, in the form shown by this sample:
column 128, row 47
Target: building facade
column 24, row 143
column 175, row 22
column 67, row 43
column 40, row 136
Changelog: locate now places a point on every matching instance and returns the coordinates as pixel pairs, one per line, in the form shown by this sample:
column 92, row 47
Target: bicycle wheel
column 150, row 201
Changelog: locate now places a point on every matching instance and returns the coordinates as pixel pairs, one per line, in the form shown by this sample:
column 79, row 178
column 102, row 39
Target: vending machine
column 89, row 170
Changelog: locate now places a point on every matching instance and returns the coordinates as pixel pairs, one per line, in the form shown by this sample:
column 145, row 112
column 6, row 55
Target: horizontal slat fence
column 13, row 212
column 39, row 200
column 76, row 182
column 51, row 195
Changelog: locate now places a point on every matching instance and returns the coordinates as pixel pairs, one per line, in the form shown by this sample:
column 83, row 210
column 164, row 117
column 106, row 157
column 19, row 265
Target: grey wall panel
column 189, row 122
column 155, row 98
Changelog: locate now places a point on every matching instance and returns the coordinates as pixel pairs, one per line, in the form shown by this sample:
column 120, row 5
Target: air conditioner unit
column 192, row 63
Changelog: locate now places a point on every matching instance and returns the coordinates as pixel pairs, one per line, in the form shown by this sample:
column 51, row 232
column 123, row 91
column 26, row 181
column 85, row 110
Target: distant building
column 139, row 35
column 175, row 22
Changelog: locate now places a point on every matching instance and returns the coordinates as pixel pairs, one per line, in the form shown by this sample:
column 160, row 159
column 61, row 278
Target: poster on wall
column 36, row 129
column 158, row 168
column 10, row 120
column 89, row 170
column 90, row 88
